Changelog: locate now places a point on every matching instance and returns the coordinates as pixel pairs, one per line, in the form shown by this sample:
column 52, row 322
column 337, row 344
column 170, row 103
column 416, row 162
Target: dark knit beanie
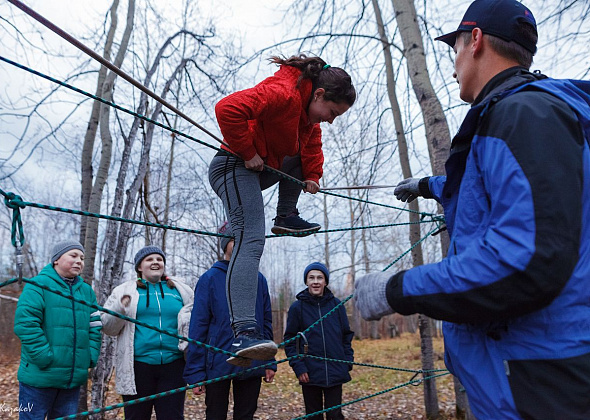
column 225, row 229
column 316, row 266
column 145, row 251
column 61, row 248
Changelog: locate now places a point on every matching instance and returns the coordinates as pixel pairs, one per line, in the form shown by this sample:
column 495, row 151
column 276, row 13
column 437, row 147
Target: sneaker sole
column 264, row 351
column 279, row 230
column 239, row 361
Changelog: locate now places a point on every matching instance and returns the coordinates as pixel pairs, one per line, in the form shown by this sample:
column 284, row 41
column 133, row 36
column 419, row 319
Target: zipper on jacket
column 160, row 324
column 324, row 342
column 75, row 338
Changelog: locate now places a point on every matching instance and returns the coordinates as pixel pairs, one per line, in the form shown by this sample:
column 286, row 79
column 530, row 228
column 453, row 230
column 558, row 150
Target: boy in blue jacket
column 321, row 381
column 210, row 324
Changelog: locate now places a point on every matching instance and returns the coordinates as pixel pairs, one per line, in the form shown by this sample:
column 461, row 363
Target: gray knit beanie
column 145, row 251
column 62, row 247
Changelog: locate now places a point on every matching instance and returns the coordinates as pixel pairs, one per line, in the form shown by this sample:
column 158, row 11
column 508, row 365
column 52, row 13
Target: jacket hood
column 305, row 296
column 50, row 272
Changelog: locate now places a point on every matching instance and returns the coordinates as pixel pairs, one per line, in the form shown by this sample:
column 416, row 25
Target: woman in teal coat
column 60, row 338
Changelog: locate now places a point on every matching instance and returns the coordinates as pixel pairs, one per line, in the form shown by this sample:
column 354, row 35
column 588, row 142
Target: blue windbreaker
column 331, row 338
column 516, row 284
column 210, row 324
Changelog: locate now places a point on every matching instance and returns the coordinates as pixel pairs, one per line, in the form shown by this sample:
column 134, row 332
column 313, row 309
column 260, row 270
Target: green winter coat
column 60, row 338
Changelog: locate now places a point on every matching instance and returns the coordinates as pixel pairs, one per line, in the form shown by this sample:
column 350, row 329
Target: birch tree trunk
column 427, row 352
column 118, row 234
column 102, row 173
column 435, row 123
column 88, row 146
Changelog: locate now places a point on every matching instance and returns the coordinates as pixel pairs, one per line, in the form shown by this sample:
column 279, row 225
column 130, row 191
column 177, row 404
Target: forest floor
column 282, row 399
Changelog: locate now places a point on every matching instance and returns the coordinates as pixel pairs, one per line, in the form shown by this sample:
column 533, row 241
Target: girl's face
column 321, row 110
column 70, row 264
column 152, row 267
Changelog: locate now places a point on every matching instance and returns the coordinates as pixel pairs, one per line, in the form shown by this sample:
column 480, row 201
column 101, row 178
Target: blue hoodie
column 210, row 324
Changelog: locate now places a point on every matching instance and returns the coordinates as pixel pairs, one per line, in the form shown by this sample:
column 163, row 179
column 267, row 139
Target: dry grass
column 283, row 400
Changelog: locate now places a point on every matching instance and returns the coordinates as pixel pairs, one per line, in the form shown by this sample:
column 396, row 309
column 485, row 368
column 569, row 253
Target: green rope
column 172, row 391
column 413, row 246
column 433, row 220
column 6, row 283
column 411, row 382
column 348, row 362
column 18, row 201
column 126, row 318
column 165, row 127
column 14, row 202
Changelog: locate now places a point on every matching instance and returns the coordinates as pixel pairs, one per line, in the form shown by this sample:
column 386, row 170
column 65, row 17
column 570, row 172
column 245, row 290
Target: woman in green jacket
column 60, row 338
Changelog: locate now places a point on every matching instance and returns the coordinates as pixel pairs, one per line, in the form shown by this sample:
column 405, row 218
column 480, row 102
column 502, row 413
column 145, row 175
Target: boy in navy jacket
column 321, row 380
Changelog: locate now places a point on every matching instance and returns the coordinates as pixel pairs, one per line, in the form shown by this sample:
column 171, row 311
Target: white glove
column 407, row 190
column 370, row 296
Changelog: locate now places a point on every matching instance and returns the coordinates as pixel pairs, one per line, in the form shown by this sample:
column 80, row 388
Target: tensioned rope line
column 203, row 345
column 63, row 34
column 126, row 318
column 181, row 389
column 411, row 382
column 189, row 137
column 352, row 295
column 143, row 88
column 348, row 362
column 172, row 391
column 15, row 202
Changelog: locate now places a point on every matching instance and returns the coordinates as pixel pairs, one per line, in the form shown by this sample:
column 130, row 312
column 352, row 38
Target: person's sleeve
column 28, row 326
column 312, row 156
column 184, row 319
column 533, row 185
column 196, row 356
column 94, row 332
column 234, row 111
column 268, row 332
column 113, row 325
column 347, row 336
column 432, row 187
column 293, row 327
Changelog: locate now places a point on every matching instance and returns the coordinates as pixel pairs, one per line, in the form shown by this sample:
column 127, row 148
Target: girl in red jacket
column 274, row 123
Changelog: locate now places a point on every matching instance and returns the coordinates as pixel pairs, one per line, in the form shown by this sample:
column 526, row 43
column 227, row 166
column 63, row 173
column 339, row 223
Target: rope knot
column 14, row 201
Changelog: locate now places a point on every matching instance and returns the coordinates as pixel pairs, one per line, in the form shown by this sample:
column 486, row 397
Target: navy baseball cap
column 500, row 18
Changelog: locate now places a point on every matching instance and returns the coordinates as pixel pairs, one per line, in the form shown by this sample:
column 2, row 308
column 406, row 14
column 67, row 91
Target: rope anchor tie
column 417, row 382
column 15, row 202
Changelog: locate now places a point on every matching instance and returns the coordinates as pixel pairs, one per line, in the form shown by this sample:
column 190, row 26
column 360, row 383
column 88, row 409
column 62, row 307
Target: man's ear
column 476, row 41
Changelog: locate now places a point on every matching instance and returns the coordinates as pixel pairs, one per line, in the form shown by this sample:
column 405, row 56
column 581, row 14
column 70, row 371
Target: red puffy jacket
column 271, row 119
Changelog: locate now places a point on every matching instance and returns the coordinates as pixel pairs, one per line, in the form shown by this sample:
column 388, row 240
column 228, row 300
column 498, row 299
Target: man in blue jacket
column 321, row 380
column 210, row 324
column 515, row 288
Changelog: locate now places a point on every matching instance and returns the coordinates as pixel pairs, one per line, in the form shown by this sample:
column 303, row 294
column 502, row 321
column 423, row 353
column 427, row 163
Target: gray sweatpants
column 240, row 189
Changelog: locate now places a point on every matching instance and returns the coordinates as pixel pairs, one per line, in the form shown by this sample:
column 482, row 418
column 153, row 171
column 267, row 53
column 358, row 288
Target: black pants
column 245, row 392
column 152, row 379
column 317, row 398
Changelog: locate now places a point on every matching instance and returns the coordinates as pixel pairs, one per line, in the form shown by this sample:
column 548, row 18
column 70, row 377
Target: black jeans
column 245, row 392
column 317, row 398
column 152, row 379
